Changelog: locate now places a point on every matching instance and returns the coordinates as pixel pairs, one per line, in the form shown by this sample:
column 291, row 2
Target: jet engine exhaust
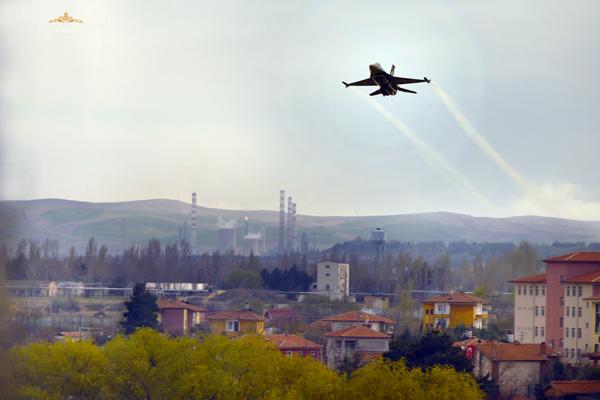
column 431, row 157
column 480, row 141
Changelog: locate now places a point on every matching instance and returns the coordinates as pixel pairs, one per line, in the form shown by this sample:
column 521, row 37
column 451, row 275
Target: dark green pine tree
column 141, row 310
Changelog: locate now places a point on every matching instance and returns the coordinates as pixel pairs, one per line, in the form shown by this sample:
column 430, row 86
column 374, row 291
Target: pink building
column 178, row 318
column 559, row 270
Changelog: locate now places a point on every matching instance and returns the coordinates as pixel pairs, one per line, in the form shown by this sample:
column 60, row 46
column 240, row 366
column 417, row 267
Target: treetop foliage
column 149, row 365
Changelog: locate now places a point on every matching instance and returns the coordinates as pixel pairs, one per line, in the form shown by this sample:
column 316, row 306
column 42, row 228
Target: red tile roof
column 538, row 278
column 358, row 316
column 590, row 277
column 572, row 388
column 499, row 351
column 166, row 304
column 592, row 298
column 578, row 256
column 463, row 344
column 234, row 315
column 291, row 342
column 455, row 298
column 277, row 314
column 359, row 331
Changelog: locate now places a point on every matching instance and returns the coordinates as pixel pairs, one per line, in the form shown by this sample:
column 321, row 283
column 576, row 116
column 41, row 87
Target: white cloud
column 556, row 199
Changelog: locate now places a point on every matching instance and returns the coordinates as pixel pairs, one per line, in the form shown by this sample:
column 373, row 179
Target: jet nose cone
column 375, row 67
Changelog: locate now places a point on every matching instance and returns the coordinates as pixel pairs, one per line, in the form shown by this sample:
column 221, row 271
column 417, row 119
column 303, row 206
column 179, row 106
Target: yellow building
column 234, row 323
column 454, row 309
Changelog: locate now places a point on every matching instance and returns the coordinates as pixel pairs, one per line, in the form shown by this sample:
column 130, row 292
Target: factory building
column 252, row 243
column 226, row 241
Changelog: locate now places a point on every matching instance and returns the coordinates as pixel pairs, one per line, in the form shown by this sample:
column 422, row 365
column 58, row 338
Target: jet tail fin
column 392, row 70
column 375, row 93
column 346, row 84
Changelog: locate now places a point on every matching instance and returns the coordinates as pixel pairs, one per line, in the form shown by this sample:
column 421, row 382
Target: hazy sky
column 239, row 99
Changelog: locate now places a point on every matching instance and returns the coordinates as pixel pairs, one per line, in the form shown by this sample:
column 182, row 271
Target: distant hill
column 73, row 222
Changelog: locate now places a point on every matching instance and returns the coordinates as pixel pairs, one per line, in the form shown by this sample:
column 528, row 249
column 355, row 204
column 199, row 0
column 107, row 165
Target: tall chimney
column 193, row 228
column 281, row 239
column 289, row 240
column 294, row 237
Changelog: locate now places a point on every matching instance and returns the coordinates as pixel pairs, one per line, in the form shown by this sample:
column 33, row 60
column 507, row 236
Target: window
column 442, row 309
column 587, row 304
column 543, row 290
column 313, row 353
column 543, row 311
column 327, row 274
column 579, row 333
column 537, row 292
column 536, row 311
column 561, row 321
column 597, row 327
column 566, row 352
column 568, row 291
column 572, row 311
column 572, row 353
column 327, row 266
column 579, row 291
column 567, row 311
column 536, row 331
column 543, row 331
column 233, row 326
column 519, row 289
column 596, row 347
column 586, row 347
column 566, row 332
column 587, row 325
column 562, row 301
column 327, row 287
column 573, row 332
column 578, row 353
column 531, row 290
column 579, row 312
column 289, row 354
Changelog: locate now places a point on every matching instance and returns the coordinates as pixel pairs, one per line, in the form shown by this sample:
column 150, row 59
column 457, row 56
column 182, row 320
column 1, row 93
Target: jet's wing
column 364, row 82
column 397, row 80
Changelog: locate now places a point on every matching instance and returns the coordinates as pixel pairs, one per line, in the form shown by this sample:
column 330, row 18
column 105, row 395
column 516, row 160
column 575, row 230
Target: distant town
column 518, row 323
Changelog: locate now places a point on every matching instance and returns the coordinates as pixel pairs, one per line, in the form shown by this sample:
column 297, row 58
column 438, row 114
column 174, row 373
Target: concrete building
column 294, row 346
column 454, row 309
column 516, row 368
column 358, row 318
column 530, row 309
column 574, row 272
column 252, row 243
column 333, row 279
column 227, row 241
column 355, row 341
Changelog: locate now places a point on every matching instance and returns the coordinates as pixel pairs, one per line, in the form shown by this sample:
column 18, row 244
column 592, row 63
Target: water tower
column 377, row 242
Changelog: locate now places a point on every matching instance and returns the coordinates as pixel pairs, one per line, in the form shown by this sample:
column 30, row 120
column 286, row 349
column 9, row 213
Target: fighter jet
column 388, row 83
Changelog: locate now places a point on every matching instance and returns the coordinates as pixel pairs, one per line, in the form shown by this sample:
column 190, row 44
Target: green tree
column 429, row 350
column 141, row 310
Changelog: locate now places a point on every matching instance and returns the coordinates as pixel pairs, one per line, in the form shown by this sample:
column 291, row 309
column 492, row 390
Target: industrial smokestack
column 294, row 236
column 281, row 239
column 193, row 228
column 289, row 240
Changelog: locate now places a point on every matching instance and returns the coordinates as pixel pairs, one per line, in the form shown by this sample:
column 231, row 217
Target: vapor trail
column 431, row 157
column 480, row 141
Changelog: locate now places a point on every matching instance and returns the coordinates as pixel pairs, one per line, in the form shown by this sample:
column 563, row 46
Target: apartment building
column 570, row 289
column 454, row 309
column 530, row 309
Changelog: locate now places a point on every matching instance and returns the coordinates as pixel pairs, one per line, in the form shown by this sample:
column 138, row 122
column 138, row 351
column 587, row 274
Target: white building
column 530, row 309
column 333, row 279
